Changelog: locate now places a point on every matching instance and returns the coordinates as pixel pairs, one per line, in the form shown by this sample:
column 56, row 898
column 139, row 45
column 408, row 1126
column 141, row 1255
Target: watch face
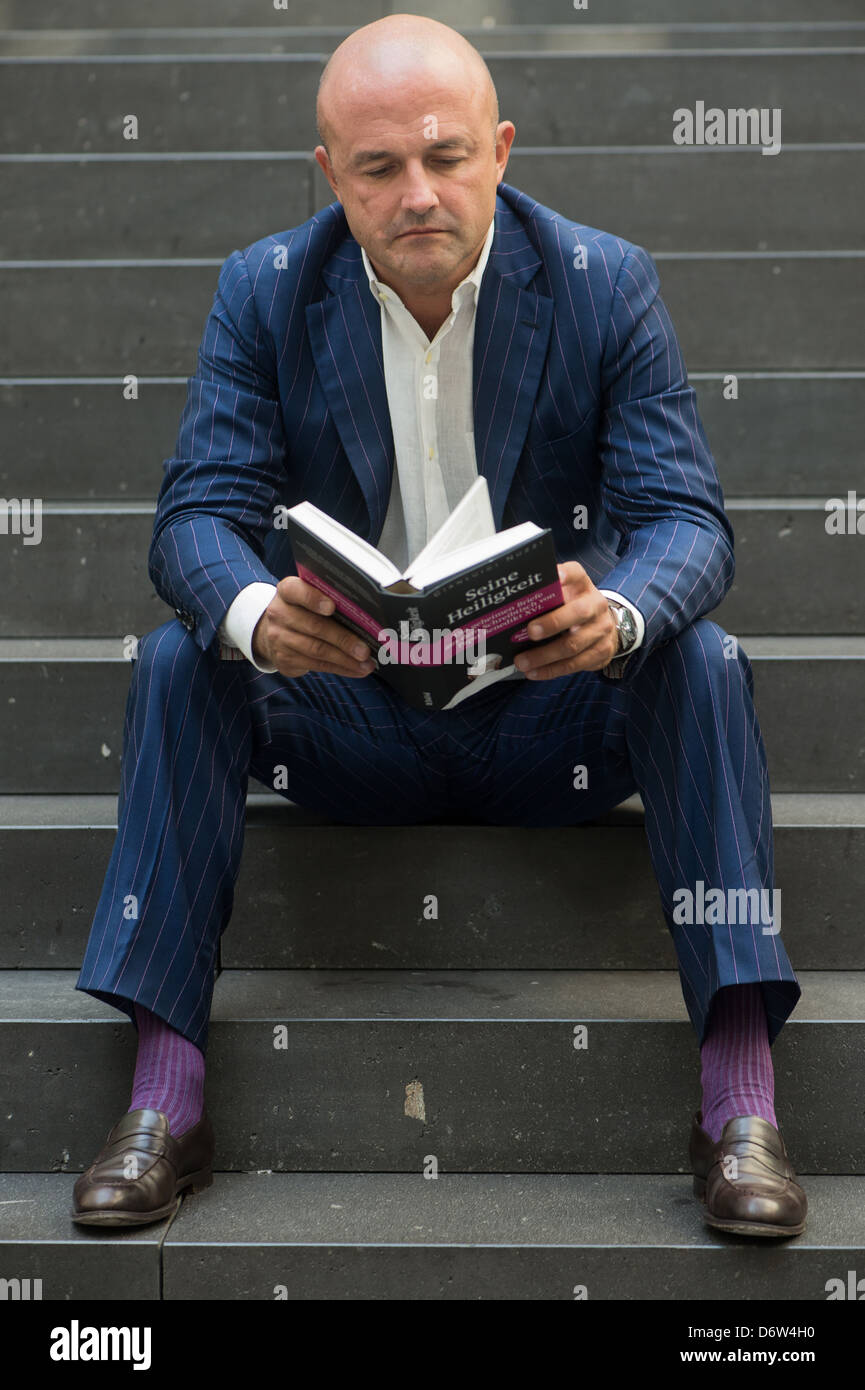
column 627, row 627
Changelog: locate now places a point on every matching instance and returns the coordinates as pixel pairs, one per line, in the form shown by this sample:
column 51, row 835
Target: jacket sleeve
column 659, row 484
column 216, row 504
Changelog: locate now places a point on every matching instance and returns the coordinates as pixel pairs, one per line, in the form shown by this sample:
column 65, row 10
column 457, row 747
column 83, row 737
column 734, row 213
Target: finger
column 317, row 654
column 572, row 643
column 295, row 671
column 576, row 612
column 594, row 658
column 294, row 590
column 298, row 619
column 572, row 572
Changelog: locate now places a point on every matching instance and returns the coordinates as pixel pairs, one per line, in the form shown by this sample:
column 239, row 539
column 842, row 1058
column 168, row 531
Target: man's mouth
column 421, row 231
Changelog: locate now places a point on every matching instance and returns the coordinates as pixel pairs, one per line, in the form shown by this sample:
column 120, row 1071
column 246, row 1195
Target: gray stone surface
column 766, row 312
column 696, row 200
column 510, row 901
column 63, row 1084
column 779, row 549
column 578, row 36
column 97, row 553
column 105, row 320
column 124, row 205
column 784, row 436
column 54, row 684
column 389, row 1235
column 97, row 557
column 43, row 701
column 123, row 14
column 761, row 312
column 221, row 103
column 79, row 441
column 494, row 1081
column 38, row 1240
column 493, row 1236
column 127, row 14
column 198, row 103
column 291, row 912
column 163, row 207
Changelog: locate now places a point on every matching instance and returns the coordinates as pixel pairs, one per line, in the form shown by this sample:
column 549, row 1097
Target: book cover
column 430, row 644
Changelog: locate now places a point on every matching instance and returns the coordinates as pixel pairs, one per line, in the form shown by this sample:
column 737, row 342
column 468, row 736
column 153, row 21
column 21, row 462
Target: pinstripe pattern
column 580, row 399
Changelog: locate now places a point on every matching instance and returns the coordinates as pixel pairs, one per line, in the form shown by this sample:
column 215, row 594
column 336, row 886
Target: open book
column 455, row 617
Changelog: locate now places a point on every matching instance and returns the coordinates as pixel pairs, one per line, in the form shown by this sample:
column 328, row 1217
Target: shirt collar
column 473, row 278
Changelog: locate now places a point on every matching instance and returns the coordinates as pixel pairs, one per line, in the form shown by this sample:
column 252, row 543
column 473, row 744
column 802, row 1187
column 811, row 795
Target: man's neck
column 429, row 310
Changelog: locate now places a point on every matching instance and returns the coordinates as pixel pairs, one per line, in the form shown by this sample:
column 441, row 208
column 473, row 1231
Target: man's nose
column 418, row 194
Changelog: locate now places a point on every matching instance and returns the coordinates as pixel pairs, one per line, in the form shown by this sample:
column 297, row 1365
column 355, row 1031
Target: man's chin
column 416, row 246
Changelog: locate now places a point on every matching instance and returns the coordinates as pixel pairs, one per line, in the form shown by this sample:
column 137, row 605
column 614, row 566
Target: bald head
column 414, row 150
column 385, row 61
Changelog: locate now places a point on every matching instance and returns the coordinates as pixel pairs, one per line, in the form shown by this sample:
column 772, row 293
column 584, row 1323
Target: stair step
column 123, row 204
column 398, row 1236
column 785, row 436
column 710, row 201
column 53, row 685
column 97, row 553
column 205, row 14
column 38, row 1241
column 733, row 312
column 492, row 1236
column 381, row 1068
column 582, row 37
column 208, row 14
column 291, row 912
column 560, row 98
column 560, row 1169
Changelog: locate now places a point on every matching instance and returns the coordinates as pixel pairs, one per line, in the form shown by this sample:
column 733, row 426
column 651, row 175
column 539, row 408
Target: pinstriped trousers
column 682, row 731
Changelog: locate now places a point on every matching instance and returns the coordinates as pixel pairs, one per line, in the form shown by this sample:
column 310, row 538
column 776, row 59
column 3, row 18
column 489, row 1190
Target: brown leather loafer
column 745, row 1180
column 139, row 1174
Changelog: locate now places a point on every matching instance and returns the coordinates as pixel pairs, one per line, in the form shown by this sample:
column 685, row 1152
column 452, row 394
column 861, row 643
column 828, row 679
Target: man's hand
column 589, row 640
column 295, row 635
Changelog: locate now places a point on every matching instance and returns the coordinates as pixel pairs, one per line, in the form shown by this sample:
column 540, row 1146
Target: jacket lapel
column 345, row 338
column 512, row 334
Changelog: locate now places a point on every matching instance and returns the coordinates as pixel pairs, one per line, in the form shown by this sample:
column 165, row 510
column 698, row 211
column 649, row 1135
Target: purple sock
column 736, row 1059
column 169, row 1073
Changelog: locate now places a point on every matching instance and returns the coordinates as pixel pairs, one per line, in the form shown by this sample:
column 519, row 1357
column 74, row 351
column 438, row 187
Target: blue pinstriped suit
column 580, row 399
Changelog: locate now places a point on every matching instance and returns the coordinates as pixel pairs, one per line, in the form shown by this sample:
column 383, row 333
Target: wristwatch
column 625, row 626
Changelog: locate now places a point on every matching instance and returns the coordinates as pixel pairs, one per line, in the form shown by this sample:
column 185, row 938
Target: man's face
column 417, row 180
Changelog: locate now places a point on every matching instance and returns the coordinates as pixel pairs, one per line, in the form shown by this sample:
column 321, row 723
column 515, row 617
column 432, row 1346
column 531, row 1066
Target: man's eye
column 376, row 173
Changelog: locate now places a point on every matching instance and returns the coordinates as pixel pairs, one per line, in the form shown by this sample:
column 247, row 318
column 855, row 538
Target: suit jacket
column 583, row 418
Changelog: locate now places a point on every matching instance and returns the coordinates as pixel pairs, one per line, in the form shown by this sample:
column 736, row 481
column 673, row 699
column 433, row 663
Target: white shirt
column 429, row 395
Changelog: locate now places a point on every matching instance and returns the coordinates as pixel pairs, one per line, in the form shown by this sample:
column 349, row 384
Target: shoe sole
column 741, row 1228
column 195, row 1182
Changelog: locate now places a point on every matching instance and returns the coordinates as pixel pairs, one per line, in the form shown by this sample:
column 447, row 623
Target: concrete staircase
column 413, row 1044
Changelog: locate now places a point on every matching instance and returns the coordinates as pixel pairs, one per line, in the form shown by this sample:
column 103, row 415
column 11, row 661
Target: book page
column 454, row 562
column 471, row 520
column 346, row 542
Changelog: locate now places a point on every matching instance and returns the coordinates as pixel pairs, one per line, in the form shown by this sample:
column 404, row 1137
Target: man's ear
column 323, row 159
column 505, row 132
